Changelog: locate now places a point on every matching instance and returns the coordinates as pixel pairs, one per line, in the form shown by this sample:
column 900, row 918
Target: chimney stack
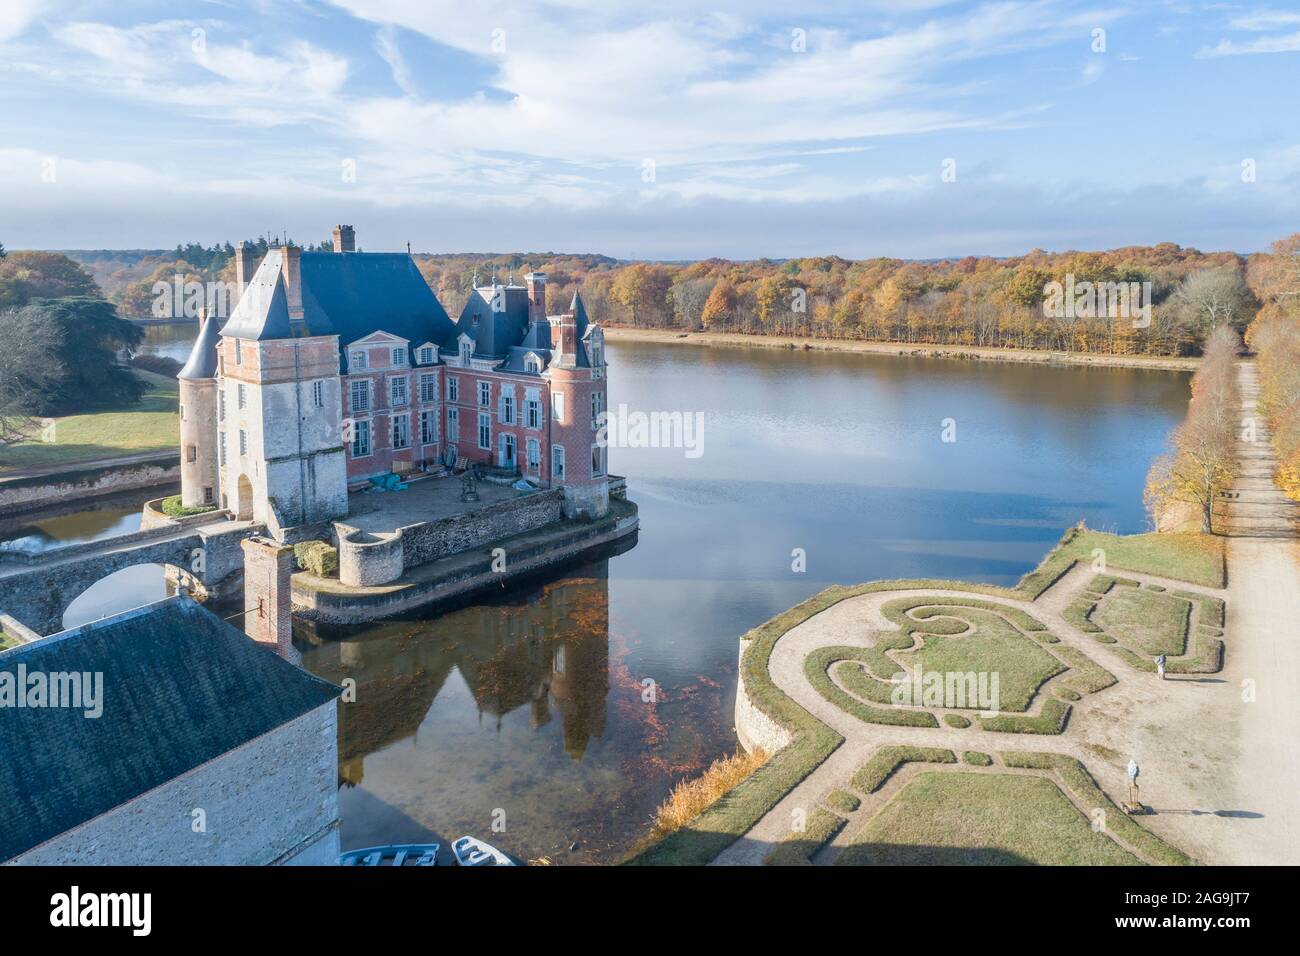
column 268, row 608
column 536, row 296
column 345, row 239
column 292, row 259
column 564, row 339
column 245, row 266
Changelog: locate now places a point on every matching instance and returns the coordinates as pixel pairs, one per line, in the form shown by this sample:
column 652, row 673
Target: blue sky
column 660, row 130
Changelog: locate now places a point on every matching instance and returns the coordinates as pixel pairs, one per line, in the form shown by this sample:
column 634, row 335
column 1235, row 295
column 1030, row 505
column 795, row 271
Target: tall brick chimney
column 268, row 608
column 536, row 296
column 292, row 258
column 245, row 266
column 345, row 239
column 564, row 339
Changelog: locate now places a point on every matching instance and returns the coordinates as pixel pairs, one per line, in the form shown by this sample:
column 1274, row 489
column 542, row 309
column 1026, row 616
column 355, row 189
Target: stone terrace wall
column 28, row 494
column 431, row 540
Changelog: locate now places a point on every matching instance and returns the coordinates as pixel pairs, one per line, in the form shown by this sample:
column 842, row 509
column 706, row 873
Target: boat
column 395, row 854
column 471, row 852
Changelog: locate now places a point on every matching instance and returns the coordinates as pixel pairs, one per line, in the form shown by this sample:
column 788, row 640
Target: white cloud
column 387, row 47
column 1275, row 44
column 17, row 15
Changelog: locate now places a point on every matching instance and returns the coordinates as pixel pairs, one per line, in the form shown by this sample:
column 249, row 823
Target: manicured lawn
column 982, row 818
column 798, row 848
column 1193, row 557
column 153, row 425
column 994, row 648
column 1148, row 622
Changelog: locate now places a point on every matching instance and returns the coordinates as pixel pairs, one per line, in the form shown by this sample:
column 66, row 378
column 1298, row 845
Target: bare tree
column 1213, row 297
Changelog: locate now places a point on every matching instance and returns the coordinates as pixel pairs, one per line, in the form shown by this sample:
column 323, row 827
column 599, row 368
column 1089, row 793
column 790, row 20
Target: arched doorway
column 245, row 496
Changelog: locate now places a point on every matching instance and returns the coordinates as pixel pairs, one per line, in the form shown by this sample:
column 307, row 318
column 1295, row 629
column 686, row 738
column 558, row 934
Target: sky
column 657, row 130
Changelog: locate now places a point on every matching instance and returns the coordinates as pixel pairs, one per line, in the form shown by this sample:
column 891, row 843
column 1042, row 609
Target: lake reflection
column 532, row 704
column 538, row 703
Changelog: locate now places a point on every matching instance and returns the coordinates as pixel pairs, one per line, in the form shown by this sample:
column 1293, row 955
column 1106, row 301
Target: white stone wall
column 753, row 727
column 273, row 800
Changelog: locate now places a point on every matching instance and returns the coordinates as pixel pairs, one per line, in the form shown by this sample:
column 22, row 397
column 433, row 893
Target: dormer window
column 532, row 363
column 425, row 355
column 466, row 353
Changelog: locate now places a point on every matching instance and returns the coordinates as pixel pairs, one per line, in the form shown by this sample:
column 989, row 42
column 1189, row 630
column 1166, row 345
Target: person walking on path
column 1160, row 665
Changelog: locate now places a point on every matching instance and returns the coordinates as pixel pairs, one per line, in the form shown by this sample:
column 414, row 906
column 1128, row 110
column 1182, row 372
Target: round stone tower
column 198, row 401
column 577, row 380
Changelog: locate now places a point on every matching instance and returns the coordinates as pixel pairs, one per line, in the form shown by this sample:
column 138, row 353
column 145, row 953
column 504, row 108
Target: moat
column 535, row 703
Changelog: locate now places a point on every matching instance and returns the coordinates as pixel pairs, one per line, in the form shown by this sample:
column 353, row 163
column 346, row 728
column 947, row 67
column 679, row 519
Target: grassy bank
column 151, row 426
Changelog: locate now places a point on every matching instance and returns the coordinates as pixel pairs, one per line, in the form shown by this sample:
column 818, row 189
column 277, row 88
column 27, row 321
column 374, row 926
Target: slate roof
column 180, row 688
column 494, row 330
column 350, row 295
column 202, row 362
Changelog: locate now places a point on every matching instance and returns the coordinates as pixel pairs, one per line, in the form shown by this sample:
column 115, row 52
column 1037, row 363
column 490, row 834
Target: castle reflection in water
column 537, row 654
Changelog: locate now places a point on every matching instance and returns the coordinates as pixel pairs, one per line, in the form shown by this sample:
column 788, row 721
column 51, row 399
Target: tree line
column 1172, row 298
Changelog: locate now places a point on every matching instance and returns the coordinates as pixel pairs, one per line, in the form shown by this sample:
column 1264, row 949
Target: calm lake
column 532, row 708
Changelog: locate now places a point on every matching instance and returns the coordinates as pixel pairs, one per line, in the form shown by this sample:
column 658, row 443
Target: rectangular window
column 221, row 406
column 534, row 455
column 533, row 413
column 221, row 445
column 402, row 431
column 239, row 353
column 361, row 395
column 485, row 432
column 557, row 462
column 358, row 361
column 453, row 424
column 597, row 461
column 428, row 428
column 182, row 413
column 508, row 409
column 597, row 406
column 428, row 388
column 399, row 357
column 397, row 391
column 453, row 388
column 361, row 438
column 243, row 396
column 426, row 355
column 318, row 394
column 557, row 406
column 243, row 442
column 507, row 450
column 207, row 494
column 485, row 394
column 191, row 453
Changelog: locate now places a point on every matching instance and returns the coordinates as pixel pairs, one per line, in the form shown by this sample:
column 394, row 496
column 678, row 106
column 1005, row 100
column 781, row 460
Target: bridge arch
column 121, row 590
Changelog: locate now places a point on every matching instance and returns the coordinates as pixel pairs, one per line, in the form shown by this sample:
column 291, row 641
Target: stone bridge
column 37, row 589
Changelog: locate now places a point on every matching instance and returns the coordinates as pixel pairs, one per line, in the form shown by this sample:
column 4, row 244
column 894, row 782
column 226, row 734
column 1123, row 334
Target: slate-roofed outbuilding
column 180, row 688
